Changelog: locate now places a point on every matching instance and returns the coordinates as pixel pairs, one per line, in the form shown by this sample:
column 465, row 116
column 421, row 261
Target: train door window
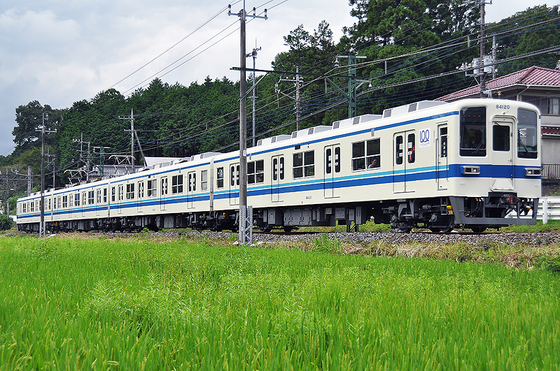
column 152, row 188
column 130, row 191
column 399, row 150
column 84, row 198
column 443, row 141
column 337, row 159
column 77, row 199
column 177, row 184
column 121, row 192
column 24, row 206
column 328, row 164
column 64, row 202
column 330, row 161
column 234, row 175
column 192, row 182
column 141, row 189
column 104, row 195
column 278, row 168
column 220, row 177
column 49, row 205
column 164, row 186
column 98, row 196
column 473, row 132
column 70, row 201
column 204, row 180
column 527, row 133
column 91, row 197
column 500, row 140
column 255, row 172
column 411, row 147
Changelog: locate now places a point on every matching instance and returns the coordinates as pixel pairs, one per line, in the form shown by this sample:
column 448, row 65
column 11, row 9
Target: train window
column 130, row 191
column 204, row 180
column 358, row 156
column 527, row 133
column 411, row 148
column 164, row 186
column 304, row 164
column 91, row 197
column 220, row 177
column 473, row 131
column 152, row 188
column 64, row 202
column 140, row 189
column 77, row 199
column 399, row 149
column 255, row 172
column 177, row 183
column 500, row 141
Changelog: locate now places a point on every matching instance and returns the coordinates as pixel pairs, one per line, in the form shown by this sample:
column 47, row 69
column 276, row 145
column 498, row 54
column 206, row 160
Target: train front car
column 493, row 164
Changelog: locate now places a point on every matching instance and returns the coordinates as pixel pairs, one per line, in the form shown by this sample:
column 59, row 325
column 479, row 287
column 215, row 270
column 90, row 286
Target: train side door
column 332, row 168
column 191, row 189
column 277, row 178
column 234, row 184
column 502, row 153
column 164, row 189
column 404, row 156
column 442, row 163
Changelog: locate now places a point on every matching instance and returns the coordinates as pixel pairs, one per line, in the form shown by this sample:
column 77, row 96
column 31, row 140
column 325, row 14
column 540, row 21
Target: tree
column 29, row 118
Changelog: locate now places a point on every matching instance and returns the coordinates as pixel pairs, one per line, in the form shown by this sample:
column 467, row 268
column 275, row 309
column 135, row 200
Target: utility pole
column 298, row 81
column 131, row 118
column 43, row 131
column 254, row 55
column 243, row 228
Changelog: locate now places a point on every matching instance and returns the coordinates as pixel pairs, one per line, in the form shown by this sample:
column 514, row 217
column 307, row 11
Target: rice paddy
column 145, row 304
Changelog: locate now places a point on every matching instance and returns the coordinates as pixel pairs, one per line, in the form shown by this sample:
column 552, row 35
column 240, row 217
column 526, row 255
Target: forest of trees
column 411, row 50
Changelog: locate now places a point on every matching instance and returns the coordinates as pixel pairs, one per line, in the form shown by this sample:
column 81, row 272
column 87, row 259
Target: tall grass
column 140, row 304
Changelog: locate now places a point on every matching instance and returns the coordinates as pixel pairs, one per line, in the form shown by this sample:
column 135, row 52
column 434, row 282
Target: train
column 470, row 164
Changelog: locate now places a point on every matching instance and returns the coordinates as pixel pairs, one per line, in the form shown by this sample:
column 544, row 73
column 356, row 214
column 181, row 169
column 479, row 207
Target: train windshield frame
column 473, row 132
column 527, row 133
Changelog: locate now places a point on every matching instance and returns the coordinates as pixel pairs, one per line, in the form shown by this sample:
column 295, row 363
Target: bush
column 5, row 222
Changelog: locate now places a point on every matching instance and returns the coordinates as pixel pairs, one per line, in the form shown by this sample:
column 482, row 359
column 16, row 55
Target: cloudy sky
column 59, row 52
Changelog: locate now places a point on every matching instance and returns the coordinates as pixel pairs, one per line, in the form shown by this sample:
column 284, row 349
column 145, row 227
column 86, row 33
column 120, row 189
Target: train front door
column 332, row 167
column 502, row 154
column 404, row 157
column 442, row 164
column 234, row 184
column 277, row 178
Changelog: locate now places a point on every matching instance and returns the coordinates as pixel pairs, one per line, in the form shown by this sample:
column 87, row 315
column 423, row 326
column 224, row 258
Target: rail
column 549, row 209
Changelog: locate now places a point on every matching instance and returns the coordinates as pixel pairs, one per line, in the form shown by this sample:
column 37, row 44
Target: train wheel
column 288, row 229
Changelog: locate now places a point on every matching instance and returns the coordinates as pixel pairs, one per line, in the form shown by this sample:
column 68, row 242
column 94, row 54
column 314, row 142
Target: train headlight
column 532, row 172
column 471, row 170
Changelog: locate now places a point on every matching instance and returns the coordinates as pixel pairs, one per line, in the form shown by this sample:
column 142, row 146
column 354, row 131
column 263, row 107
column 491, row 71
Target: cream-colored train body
column 474, row 163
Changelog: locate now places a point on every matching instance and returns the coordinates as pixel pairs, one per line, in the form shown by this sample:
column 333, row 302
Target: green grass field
column 72, row 304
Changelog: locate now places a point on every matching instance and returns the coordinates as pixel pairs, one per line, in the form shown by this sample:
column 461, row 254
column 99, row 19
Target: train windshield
column 526, row 133
column 473, row 131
